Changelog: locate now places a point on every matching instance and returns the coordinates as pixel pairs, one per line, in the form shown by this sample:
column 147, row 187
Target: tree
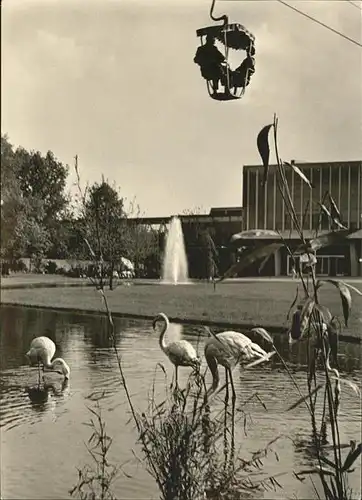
column 211, row 254
column 30, row 238
column 43, row 178
column 142, row 243
column 104, row 223
column 143, row 248
column 23, row 232
column 11, row 200
column 110, row 231
column 61, row 234
column 193, row 211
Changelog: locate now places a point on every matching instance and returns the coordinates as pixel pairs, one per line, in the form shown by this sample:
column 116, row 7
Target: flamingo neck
column 328, row 365
column 59, row 361
column 164, row 328
column 48, row 364
column 212, row 364
column 55, row 361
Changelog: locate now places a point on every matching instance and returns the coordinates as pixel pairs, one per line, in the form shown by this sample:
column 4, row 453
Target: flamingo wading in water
column 228, row 349
column 42, row 350
column 180, row 352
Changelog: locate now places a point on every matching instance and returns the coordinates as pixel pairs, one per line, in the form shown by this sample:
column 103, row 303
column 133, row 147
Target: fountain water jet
column 175, row 266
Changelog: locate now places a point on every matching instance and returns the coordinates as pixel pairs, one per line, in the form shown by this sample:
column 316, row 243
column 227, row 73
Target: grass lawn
column 264, row 303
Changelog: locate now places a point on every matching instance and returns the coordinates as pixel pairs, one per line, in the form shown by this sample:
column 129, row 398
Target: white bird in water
column 42, row 350
column 181, row 352
column 228, row 349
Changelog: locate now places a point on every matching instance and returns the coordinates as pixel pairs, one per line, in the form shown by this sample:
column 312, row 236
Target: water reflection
column 56, row 413
column 40, row 394
column 15, row 408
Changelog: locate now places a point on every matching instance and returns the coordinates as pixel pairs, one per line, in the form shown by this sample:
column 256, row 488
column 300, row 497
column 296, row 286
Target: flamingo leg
column 233, row 401
column 38, row 372
column 226, row 403
column 232, row 447
column 227, row 385
column 232, row 387
column 176, row 376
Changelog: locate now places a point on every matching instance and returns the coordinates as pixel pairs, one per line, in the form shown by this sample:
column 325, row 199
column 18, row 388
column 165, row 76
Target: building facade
column 264, row 208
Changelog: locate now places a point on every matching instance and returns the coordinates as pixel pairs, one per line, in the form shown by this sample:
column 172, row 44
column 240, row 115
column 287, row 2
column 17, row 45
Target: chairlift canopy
column 234, row 35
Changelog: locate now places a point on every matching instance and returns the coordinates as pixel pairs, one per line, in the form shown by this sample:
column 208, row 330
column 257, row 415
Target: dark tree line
column 33, row 202
column 39, row 221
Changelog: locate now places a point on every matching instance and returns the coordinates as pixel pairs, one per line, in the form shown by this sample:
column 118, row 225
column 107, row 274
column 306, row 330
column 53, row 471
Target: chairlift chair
column 231, row 36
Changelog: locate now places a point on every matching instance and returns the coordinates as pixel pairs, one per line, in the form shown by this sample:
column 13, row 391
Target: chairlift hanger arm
column 221, row 18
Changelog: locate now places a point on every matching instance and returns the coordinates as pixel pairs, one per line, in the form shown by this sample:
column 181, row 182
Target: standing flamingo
column 181, row 352
column 42, row 350
column 228, row 349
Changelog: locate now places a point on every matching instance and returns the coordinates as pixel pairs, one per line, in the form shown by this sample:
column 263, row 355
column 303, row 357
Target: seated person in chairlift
column 211, row 62
column 241, row 75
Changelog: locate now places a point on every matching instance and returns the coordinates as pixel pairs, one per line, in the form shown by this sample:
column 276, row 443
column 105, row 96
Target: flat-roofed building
column 264, row 208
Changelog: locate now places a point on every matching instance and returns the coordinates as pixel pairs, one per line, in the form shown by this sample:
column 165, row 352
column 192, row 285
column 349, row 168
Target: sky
column 115, row 83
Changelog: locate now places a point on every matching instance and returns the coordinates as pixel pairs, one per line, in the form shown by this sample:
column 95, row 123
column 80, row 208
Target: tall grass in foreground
column 96, row 481
column 190, row 448
column 188, row 444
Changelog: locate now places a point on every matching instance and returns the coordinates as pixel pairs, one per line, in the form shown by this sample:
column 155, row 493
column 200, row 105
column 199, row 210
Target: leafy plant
column 263, row 252
column 95, row 481
column 189, row 447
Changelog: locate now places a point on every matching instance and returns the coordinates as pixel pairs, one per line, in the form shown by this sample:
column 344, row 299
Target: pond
column 42, row 444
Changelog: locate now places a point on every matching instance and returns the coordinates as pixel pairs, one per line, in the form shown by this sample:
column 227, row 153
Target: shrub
column 51, row 267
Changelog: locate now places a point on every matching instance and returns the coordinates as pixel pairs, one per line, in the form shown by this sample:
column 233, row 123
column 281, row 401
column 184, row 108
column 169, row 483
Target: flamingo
column 181, row 352
column 228, row 349
column 42, row 350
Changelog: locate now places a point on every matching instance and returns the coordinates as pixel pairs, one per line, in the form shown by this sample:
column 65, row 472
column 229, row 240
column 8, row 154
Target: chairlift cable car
column 219, row 73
